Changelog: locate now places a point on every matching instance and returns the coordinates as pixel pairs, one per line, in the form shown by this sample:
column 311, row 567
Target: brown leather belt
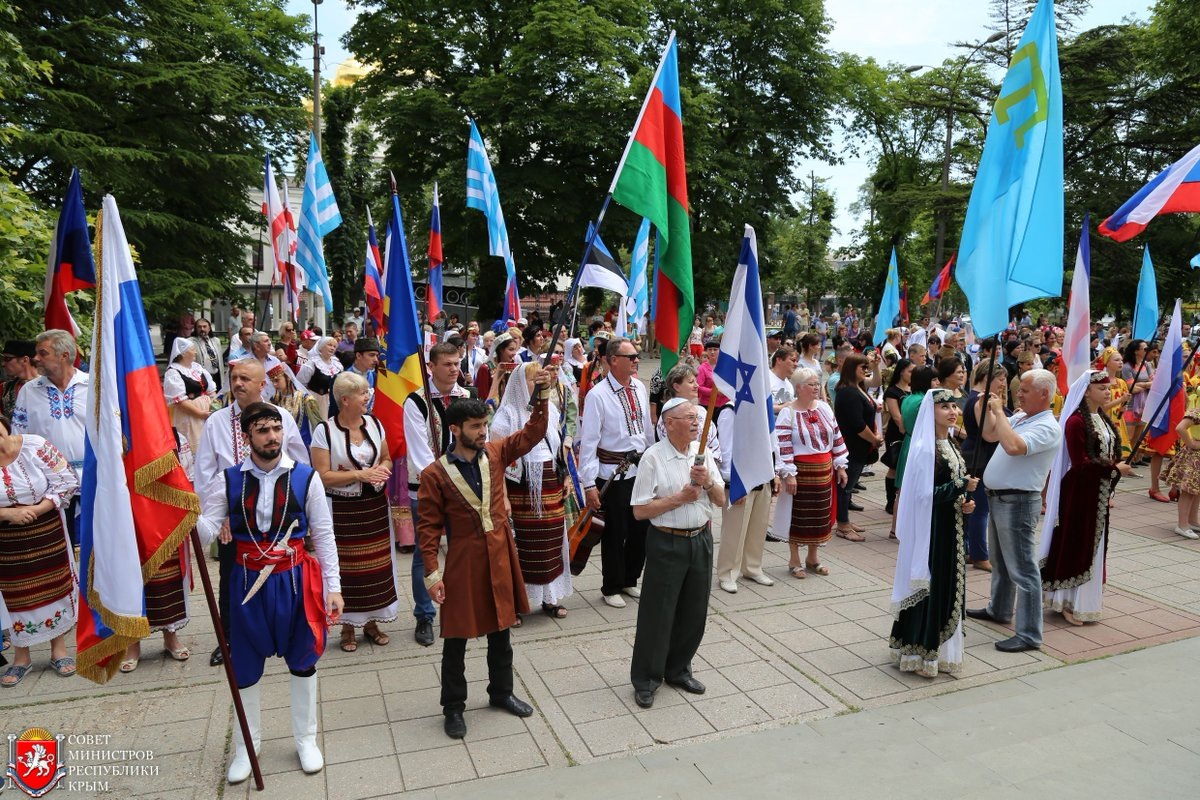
column 688, row 532
column 614, row 457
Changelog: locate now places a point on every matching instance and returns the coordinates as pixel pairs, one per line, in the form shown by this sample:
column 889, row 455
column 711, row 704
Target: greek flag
column 482, row 194
column 638, row 302
column 318, row 216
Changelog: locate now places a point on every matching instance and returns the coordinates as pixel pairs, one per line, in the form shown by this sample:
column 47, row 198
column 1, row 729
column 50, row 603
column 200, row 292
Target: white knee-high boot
column 304, row 723
column 239, row 767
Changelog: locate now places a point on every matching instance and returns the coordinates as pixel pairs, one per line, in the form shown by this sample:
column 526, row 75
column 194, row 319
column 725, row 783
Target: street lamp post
column 939, row 251
column 318, row 51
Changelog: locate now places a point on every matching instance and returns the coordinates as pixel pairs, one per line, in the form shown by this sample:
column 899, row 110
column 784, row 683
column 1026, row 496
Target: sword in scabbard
column 266, row 571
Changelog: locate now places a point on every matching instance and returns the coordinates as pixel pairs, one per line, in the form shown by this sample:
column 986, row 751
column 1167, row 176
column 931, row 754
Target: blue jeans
column 977, row 526
column 423, row 608
column 1012, row 542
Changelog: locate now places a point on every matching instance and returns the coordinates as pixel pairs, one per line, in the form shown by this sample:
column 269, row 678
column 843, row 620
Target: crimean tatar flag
column 70, row 266
column 651, row 181
column 136, row 503
column 1012, row 238
column 399, row 373
column 433, row 292
column 889, row 304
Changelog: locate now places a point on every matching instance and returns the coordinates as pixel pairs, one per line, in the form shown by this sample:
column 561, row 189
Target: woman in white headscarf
column 318, row 372
column 576, row 359
column 930, row 583
column 535, row 492
column 189, row 391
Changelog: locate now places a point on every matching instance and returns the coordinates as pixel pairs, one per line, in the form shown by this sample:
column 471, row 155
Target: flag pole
column 1165, row 399
column 1138, row 374
column 238, row 710
column 986, row 397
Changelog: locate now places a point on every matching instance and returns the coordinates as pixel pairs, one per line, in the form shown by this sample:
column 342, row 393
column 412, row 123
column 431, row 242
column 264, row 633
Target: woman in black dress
column 855, row 412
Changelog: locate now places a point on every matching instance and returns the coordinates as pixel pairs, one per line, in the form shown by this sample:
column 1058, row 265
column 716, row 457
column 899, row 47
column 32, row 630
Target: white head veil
column 511, row 416
column 913, row 517
column 1062, row 463
column 568, row 349
column 180, row 346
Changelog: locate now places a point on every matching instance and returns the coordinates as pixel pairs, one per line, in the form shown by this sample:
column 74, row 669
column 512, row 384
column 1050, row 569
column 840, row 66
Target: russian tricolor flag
column 136, row 504
column 70, row 266
column 373, row 278
column 1162, row 417
column 433, row 292
column 1175, row 190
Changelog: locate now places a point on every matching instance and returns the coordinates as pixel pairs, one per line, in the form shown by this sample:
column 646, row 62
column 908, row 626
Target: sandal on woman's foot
column 796, row 571
column 856, row 528
column 850, row 535
column 891, row 534
column 816, row 569
column 377, row 637
column 348, row 644
column 554, row 612
column 1159, row 496
column 1069, row 616
column 180, row 653
column 13, row 675
column 65, row 666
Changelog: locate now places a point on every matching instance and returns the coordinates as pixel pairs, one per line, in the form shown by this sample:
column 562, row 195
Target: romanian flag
column 651, row 181
column 70, row 266
column 373, row 277
column 399, row 374
column 136, row 504
column 940, row 283
column 1176, row 189
column 433, row 292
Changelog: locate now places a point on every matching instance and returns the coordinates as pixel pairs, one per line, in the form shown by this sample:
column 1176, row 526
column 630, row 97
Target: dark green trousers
column 673, row 608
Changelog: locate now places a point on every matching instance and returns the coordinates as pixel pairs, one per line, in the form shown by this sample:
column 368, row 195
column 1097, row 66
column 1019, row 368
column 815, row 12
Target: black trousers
column 673, row 609
column 226, row 560
column 623, row 543
column 454, row 670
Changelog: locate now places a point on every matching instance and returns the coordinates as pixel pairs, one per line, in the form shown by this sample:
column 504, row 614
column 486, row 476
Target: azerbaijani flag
column 651, row 181
column 399, row 373
column 1174, row 190
column 70, row 266
column 940, row 283
column 136, row 504
column 433, row 292
column 373, row 277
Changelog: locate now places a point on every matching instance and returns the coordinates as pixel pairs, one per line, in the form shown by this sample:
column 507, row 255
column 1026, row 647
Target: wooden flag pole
column 213, row 611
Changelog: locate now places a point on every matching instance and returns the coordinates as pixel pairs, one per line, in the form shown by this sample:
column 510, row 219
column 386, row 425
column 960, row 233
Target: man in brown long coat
column 481, row 590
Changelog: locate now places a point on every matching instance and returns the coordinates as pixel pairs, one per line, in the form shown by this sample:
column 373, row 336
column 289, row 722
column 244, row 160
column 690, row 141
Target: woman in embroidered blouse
column 350, row 452
column 319, row 371
column 189, row 390
column 489, row 379
column 40, row 597
column 813, row 458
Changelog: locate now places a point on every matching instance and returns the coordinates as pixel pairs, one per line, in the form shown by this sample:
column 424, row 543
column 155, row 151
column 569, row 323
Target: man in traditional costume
column 19, row 370
column 427, row 436
column 679, row 498
column 222, row 445
column 617, row 414
column 286, row 598
column 481, row 590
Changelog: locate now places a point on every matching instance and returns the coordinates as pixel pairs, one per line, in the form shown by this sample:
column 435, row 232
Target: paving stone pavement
column 796, row 673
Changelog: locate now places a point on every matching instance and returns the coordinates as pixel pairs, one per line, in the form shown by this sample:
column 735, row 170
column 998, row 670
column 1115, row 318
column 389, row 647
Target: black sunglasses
column 630, row 356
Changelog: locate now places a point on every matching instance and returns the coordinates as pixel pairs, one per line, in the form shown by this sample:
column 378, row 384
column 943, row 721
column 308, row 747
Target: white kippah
column 674, row 402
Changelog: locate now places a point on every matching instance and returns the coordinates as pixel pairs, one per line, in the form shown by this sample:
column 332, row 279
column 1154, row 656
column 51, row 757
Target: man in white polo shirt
column 1015, row 477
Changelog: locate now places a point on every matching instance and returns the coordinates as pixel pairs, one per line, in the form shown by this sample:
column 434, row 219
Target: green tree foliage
column 168, row 104
column 555, row 86
column 796, row 246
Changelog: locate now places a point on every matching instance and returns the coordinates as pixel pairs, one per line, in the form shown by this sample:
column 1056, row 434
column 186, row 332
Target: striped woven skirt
column 166, row 594
column 539, row 535
column 363, row 532
column 37, row 579
column 813, row 510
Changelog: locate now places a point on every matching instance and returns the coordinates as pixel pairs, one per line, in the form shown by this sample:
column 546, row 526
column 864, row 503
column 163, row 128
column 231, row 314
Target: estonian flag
column 601, row 270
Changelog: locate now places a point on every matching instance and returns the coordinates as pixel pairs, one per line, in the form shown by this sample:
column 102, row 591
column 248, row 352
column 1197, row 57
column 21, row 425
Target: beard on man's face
column 267, row 452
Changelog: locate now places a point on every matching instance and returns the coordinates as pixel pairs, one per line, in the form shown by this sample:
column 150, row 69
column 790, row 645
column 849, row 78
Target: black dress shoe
column 513, row 705
column 856, row 489
column 1015, row 644
column 424, row 632
column 853, row 506
column 773, row 538
column 643, row 699
column 690, row 685
column 216, row 659
column 985, row 615
column 456, row 726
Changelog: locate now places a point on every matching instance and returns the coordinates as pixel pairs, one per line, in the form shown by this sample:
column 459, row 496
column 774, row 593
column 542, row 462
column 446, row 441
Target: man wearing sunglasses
column 616, row 427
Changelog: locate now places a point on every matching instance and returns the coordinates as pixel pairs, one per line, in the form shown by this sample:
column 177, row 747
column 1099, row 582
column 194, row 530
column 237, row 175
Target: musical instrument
column 585, row 534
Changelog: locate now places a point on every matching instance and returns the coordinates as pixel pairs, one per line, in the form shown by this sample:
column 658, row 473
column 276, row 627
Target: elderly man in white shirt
column 678, row 493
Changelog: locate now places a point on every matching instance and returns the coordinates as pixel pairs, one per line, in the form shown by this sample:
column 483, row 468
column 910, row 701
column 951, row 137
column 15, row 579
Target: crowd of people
column 524, row 426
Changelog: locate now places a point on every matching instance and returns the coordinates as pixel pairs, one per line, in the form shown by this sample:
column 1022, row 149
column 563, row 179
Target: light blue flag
column 318, row 216
column 889, row 304
column 639, row 294
column 1012, row 241
column 742, row 374
column 1145, row 310
column 1195, row 262
column 483, row 194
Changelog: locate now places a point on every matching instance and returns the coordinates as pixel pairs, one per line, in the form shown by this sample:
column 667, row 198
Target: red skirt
column 813, row 508
column 539, row 537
